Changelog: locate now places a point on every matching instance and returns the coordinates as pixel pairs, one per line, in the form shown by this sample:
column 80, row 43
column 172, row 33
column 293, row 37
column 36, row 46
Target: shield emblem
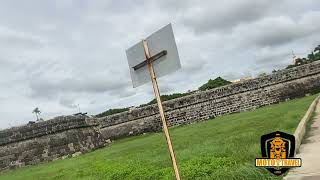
column 278, row 145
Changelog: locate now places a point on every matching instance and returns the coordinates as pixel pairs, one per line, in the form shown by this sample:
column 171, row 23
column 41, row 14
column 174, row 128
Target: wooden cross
column 149, row 60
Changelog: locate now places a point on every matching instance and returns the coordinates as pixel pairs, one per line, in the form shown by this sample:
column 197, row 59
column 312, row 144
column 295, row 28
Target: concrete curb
column 301, row 129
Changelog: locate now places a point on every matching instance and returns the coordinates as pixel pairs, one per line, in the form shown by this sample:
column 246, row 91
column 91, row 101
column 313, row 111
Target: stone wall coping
column 169, row 105
column 38, row 129
column 301, row 128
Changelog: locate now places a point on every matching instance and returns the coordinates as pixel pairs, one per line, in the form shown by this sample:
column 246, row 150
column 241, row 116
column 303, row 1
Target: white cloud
column 273, row 31
column 224, row 15
column 56, row 55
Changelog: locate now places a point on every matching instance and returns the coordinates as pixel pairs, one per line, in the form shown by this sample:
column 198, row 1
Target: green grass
column 223, row 148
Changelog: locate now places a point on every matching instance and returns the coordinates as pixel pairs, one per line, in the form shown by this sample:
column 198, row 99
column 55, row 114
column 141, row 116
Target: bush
column 111, row 111
column 214, row 84
column 166, row 98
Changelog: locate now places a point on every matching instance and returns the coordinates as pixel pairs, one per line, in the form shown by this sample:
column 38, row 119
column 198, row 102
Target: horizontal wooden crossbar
column 150, row 60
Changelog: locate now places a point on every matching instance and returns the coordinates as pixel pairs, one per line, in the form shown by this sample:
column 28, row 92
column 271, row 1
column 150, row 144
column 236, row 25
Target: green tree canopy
column 167, row 97
column 214, row 84
column 112, row 111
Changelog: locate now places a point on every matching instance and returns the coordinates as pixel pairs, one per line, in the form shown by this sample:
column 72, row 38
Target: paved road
column 309, row 153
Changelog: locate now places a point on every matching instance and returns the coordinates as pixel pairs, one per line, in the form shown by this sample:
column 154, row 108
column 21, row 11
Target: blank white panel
column 161, row 40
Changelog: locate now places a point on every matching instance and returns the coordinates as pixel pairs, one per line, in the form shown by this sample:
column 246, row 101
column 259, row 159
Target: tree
column 168, row 97
column 111, row 111
column 317, row 56
column 37, row 112
column 214, row 84
column 317, row 53
column 311, row 57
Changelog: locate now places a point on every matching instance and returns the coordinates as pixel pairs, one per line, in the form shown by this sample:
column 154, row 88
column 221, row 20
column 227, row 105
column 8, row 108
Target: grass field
column 223, row 148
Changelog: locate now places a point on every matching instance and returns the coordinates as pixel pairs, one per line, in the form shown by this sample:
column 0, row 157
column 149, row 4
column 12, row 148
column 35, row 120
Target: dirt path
column 309, row 153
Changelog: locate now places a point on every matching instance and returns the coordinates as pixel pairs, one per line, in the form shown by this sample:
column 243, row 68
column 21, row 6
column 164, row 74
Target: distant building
column 132, row 108
column 241, row 79
column 296, row 60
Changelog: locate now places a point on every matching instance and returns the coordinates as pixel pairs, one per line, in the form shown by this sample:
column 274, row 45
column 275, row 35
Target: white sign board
column 159, row 41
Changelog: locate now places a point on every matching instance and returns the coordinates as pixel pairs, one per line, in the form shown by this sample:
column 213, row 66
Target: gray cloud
column 55, row 59
column 224, row 15
column 68, row 102
column 44, row 87
column 15, row 38
column 280, row 30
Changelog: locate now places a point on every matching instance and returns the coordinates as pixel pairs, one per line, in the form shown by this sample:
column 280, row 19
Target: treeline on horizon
column 218, row 82
column 209, row 85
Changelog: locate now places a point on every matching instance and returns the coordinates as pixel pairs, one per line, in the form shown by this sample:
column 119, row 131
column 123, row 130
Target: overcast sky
column 57, row 54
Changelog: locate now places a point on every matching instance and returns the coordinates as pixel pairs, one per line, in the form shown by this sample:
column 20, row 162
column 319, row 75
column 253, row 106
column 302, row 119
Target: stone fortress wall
column 69, row 135
column 46, row 141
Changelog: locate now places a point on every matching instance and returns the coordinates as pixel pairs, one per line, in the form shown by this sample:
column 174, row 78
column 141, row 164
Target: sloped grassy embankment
column 223, row 148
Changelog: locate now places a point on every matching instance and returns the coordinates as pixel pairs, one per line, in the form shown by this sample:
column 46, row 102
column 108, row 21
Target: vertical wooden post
column 163, row 119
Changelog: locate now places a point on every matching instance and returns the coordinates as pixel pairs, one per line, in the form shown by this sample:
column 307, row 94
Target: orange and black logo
column 277, row 150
